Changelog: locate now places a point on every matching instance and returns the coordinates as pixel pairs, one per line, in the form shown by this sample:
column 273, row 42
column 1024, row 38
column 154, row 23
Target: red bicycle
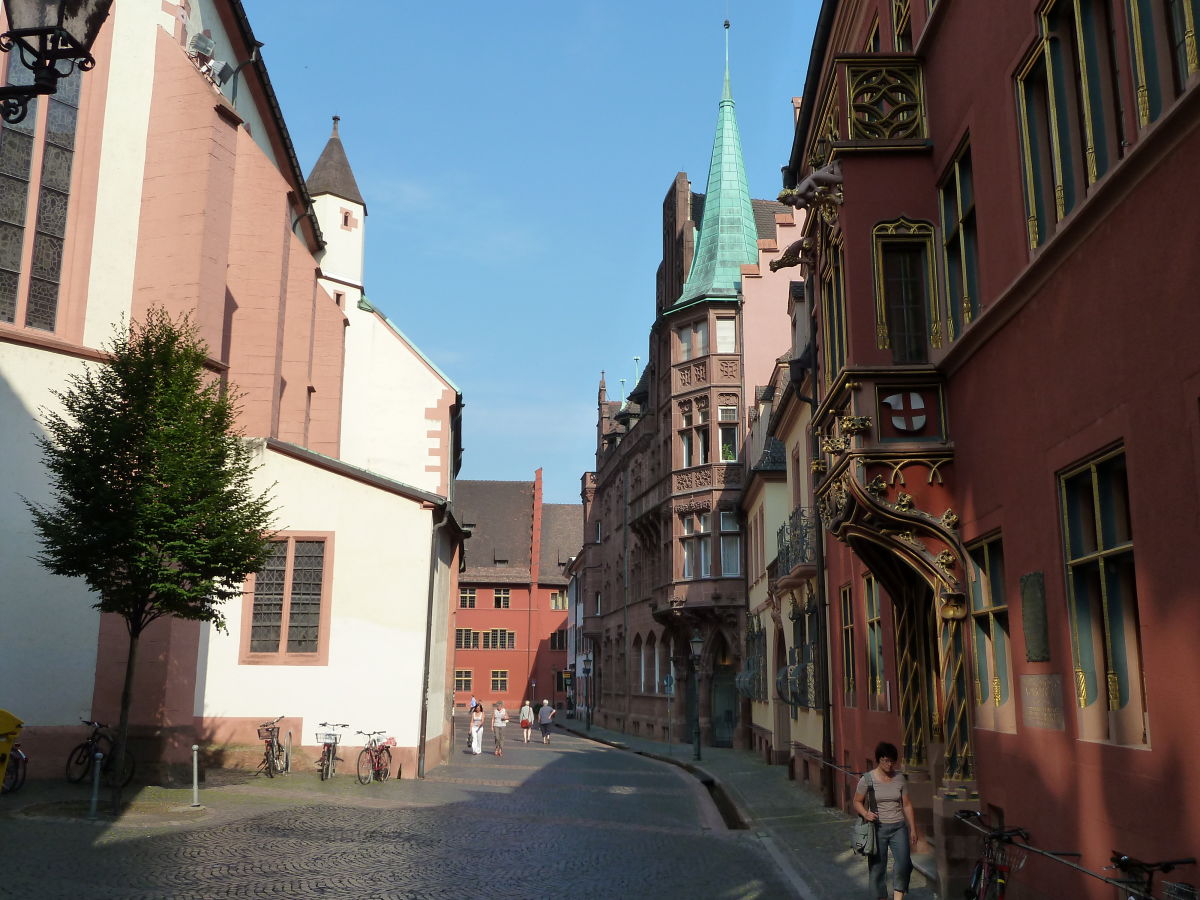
column 375, row 759
column 999, row 857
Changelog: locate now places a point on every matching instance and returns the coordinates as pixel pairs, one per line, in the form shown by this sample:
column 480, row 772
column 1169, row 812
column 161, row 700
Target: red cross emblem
column 908, row 411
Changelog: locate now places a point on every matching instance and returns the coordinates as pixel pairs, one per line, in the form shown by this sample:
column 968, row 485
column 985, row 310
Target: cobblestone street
column 574, row 818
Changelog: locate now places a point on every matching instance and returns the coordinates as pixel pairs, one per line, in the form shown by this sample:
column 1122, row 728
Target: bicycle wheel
column 14, row 775
column 281, row 759
column 366, row 766
column 126, row 770
column 79, row 762
column 287, row 755
column 974, row 886
column 325, row 763
column 385, row 764
column 269, row 759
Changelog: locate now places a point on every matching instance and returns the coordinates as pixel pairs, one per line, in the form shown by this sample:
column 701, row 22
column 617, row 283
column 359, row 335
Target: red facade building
column 1001, row 269
column 509, row 631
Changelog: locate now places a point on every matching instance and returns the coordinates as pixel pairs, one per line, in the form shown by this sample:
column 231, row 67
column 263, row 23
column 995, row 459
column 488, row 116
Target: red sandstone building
column 509, row 631
column 1001, row 256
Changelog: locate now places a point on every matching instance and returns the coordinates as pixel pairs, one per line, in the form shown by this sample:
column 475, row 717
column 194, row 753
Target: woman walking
column 526, row 717
column 499, row 720
column 896, row 828
column 477, row 729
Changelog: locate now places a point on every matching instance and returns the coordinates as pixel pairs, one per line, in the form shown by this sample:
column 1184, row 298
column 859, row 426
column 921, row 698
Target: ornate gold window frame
column 951, row 186
column 833, row 310
column 901, row 231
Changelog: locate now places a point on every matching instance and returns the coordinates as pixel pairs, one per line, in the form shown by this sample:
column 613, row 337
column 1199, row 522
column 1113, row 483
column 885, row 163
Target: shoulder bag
column 862, row 837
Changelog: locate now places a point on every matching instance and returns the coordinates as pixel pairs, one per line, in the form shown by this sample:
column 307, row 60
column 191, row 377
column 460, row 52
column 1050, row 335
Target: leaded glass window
column 268, row 601
column 289, row 588
column 304, row 618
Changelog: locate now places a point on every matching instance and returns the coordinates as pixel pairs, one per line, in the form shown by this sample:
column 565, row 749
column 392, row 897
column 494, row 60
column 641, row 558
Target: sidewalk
column 810, row 842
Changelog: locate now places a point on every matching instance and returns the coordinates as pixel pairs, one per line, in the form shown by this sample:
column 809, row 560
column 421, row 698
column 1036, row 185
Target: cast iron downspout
column 433, row 569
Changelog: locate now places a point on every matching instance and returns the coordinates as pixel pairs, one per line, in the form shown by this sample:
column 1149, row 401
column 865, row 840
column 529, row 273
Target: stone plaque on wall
column 1033, row 618
column 1042, row 701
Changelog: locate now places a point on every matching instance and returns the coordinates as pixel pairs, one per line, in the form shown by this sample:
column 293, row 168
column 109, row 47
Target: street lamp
column 46, row 33
column 697, row 644
column 587, row 673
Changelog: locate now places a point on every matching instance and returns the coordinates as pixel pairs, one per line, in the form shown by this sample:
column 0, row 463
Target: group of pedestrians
column 543, row 716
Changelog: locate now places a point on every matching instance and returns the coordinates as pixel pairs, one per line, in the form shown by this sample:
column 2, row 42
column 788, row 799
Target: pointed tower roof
column 728, row 238
column 332, row 174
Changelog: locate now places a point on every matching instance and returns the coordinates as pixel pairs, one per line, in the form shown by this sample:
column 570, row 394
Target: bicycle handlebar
column 334, row 724
column 272, row 722
column 370, row 733
column 93, row 724
column 998, row 834
column 1128, row 863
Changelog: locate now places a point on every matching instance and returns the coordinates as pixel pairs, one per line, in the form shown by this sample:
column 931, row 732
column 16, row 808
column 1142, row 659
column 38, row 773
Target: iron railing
column 797, row 541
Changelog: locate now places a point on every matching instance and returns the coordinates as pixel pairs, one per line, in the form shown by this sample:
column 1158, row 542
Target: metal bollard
column 195, row 774
column 97, row 765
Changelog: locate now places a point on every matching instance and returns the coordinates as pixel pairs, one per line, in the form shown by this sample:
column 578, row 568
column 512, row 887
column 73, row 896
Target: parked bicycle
column 82, row 758
column 327, row 763
column 277, row 757
column 14, row 775
column 375, row 759
column 998, row 859
column 1138, row 876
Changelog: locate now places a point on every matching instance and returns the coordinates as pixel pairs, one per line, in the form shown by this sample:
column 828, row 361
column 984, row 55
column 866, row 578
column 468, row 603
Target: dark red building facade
column 509, row 630
column 1002, row 279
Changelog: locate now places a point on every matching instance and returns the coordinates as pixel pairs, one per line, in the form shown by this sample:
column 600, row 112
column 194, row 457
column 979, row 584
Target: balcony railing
column 797, row 541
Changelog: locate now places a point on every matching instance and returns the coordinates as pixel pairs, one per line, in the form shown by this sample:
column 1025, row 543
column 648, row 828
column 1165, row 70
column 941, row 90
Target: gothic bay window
column 1164, row 45
column 876, row 698
column 847, row 604
column 1102, row 601
column 727, row 424
column 731, row 545
column 957, row 195
column 833, row 314
column 994, row 707
column 726, row 334
column 694, row 434
column 31, row 257
column 288, row 616
column 697, row 562
column 1072, row 124
column 907, row 318
column 693, row 340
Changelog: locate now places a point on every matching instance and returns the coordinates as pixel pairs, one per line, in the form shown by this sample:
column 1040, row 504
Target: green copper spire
column 728, row 238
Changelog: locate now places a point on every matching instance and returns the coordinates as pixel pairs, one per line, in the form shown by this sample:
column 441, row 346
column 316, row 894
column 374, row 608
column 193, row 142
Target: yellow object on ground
column 10, row 727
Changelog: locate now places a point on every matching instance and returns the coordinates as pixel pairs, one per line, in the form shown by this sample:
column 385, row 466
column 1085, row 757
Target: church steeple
column 728, row 238
column 332, row 173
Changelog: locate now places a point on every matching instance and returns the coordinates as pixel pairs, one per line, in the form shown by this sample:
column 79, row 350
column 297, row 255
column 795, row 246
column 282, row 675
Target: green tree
column 153, row 498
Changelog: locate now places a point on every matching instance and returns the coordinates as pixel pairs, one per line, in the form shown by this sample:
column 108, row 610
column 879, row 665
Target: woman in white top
column 499, row 720
column 896, row 827
column 477, row 729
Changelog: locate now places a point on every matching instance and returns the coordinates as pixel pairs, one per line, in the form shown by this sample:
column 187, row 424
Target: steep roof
column 728, row 233
column 332, row 173
column 501, row 517
column 764, row 215
column 562, row 538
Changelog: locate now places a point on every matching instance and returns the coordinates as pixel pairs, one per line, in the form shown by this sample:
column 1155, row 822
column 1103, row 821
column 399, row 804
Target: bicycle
column 327, row 763
column 999, row 858
column 375, row 759
column 14, row 775
column 1139, row 881
column 82, row 758
column 277, row 759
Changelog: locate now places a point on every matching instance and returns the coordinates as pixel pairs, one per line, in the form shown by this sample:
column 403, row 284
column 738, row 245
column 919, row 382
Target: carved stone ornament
column 953, row 605
column 729, row 370
column 700, row 372
column 904, row 501
column 727, row 399
column 851, row 425
column 685, row 407
column 677, row 604
column 729, row 475
column 692, row 506
column 946, row 560
column 877, row 486
column 685, row 376
column 701, row 404
column 818, row 466
column 950, row 520
column 835, row 444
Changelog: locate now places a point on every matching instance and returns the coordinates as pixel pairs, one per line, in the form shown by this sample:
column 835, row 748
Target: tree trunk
column 119, row 749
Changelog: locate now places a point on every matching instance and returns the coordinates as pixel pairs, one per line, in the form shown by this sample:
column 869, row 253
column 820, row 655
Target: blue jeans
column 893, row 836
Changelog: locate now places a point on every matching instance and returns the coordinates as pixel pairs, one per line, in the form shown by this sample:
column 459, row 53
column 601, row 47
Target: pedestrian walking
column 545, row 714
column 499, row 720
column 897, row 827
column 526, row 717
column 477, row 729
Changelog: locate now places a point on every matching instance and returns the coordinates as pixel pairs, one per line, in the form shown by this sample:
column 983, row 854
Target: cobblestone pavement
column 573, row 818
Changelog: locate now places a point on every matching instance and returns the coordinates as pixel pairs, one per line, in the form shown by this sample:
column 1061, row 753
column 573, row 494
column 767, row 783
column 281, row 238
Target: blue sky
column 514, row 159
